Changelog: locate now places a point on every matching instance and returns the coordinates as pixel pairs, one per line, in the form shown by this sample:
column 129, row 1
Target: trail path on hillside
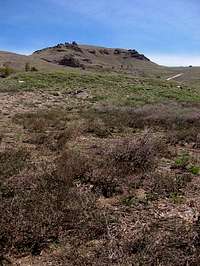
column 176, row 76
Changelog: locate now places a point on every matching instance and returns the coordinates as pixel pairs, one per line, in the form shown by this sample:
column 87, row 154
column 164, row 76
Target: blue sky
column 166, row 31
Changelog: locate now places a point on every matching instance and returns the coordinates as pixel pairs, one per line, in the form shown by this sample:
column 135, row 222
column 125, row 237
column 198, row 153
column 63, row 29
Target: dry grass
column 109, row 173
column 12, row 162
column 101, row 186
column 42, row 210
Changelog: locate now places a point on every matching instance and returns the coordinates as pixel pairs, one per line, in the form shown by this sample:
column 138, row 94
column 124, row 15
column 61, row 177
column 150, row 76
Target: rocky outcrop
column 91, row 51
column 91, row 57
column 70, row 60
column 135, row 54
column 61, row 47
column 104, row 51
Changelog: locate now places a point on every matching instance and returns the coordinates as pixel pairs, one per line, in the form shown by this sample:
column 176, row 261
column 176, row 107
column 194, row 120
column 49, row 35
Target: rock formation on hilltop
column 84, row 56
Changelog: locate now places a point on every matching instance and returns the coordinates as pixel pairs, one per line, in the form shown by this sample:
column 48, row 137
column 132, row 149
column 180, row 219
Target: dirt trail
column 176, row 76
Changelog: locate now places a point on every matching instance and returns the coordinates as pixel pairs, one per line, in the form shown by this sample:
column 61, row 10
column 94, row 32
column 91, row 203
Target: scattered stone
column 82, row 95
column 104, row 51
column 56, row 93
column 92, row 51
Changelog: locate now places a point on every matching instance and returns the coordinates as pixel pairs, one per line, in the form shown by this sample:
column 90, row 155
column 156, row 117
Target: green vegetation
column 116, row 89
column 195, row 170
column 176, row 198
column 6, row 71
column 12, row 162
column 182, row 161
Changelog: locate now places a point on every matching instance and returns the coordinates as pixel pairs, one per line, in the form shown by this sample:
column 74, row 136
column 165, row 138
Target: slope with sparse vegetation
column 98, row 168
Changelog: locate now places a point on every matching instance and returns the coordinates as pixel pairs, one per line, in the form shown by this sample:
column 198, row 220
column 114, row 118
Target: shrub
column 160, row 116
column 27, row 67
column 118, row 166
column 182, row 161
column 6, row 71
column 183, row 136
column 97, row 128
column 164, row 185
column 53, row 140
column 42, row 120
column 176, row 198
column 42, row 210
column 71, row 165
column 1, row 137
column 12, row 162
column 34, row 69
column 197, row 142
column 139, row 156
column 195, row 170
column 109, row 173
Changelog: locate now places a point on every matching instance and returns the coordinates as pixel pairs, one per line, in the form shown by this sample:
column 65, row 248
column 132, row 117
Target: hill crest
column 86, row 56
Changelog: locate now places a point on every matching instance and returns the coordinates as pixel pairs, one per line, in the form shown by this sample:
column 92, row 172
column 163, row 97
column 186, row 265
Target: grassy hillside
column 101, row 59
column 191, row 75
column 98, row 168
column 117, row 89
column 17, row 62
column 84, row 58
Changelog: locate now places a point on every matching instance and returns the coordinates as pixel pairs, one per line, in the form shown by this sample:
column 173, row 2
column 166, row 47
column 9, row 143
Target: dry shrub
column 71, row 132
column 115, row 119
column 34, row 123
column 12, row 162
column 161, row 242
column 138, row 238
column 126, row 160
column 1, row 137
column 31, row 215
column 38, row 210
column 97, row 128
column 197, row 142
column 42, row 121
column 50, row 129
column 71, row 165
column 165, row 184
column 55, row 140
column 183, row 136
column 172, row 116
column 109, row 173
column 42, row 210
column 6, row 71
column 136, row 156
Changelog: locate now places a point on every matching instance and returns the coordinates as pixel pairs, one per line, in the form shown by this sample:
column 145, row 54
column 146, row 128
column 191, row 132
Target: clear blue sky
column 167, row 31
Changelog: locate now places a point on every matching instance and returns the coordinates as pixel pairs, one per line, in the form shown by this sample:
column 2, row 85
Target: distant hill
column 18, row 62
column 73, row 55
column 87, row 57
column 93, row 57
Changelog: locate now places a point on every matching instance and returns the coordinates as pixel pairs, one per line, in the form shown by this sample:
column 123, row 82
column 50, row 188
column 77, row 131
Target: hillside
column 101, row 59
column 72, row 55
column 98, row 165
column 17, row 61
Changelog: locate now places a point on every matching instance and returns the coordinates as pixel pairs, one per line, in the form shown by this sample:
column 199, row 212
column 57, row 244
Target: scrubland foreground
column 98, row 169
